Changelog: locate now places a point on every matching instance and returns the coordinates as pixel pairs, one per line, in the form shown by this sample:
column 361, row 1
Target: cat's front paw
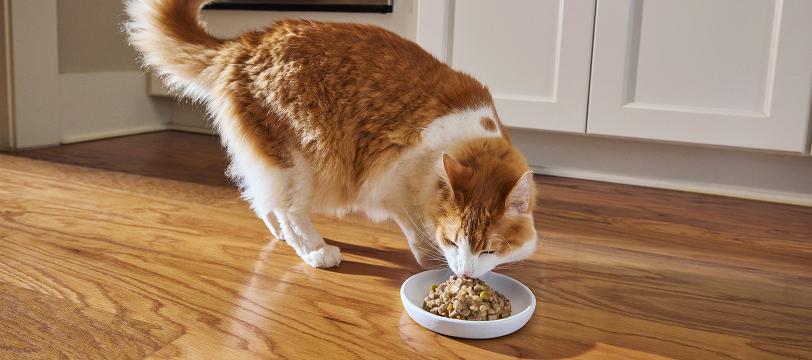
column 325, row 257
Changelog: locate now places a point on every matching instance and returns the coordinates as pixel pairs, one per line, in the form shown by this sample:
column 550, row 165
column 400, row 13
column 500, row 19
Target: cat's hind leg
column 282, row 198
column 280, row 190
column 273, row 225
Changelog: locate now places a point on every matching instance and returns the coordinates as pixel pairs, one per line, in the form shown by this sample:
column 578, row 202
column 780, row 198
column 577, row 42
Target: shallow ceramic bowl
column 522, row 302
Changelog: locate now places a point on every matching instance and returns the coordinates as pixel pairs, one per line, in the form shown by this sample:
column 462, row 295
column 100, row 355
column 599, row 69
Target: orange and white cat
column 337, row 118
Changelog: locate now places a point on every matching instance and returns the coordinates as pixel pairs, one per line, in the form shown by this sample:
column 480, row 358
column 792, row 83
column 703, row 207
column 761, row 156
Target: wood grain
column 165, row 154
column 36, row 326
column 155, row 250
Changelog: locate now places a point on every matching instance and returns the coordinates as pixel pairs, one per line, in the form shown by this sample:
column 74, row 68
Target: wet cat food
column 466, row 299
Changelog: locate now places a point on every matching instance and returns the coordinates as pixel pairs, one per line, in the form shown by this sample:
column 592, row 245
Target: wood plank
column 37, row 326
column 622, row 272
column 164, row 154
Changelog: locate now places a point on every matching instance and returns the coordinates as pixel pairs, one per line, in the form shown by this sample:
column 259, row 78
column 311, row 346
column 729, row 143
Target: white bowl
column 522, row 303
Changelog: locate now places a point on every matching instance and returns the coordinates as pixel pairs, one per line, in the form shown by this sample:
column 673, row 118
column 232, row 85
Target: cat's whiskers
column 432, row 252
column 510, row 264
column 421, row 228
column 420, row 231
column 428, row 238
column 516, row 263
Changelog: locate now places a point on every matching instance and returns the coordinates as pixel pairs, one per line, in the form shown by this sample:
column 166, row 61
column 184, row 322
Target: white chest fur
column 406, row 181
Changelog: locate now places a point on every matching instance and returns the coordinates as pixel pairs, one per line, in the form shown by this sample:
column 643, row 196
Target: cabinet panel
column 532, row 54
column 515, row 52
column 722, row 72
column 682, row 47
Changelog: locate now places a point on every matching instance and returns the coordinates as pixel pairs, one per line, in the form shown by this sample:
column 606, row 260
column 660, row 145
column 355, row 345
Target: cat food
column 466, row 299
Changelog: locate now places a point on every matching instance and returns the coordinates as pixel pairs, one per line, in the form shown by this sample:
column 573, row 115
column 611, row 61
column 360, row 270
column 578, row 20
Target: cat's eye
column 487, row 252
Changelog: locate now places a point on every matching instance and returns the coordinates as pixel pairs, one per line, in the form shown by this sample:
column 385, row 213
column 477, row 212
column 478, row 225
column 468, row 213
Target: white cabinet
column 732, row 73
column 532, row 54
column 721, row 72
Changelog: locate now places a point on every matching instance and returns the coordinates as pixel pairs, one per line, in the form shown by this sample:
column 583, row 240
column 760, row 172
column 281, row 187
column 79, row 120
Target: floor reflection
column 252, row 309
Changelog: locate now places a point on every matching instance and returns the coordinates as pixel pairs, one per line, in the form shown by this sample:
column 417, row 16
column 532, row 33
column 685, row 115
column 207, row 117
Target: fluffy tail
column 172, row 40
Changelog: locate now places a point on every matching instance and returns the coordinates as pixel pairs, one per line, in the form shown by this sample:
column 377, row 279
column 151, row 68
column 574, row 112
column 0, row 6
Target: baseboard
column 771, row 177
column 191, row 129
column 715, row 189
column 70, row 139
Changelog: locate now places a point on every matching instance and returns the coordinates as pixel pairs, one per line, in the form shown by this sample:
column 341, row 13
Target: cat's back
column 352, row 96
column 335, row 44
column 335, row 73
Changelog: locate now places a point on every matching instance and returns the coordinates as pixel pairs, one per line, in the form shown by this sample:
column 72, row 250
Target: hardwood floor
column 138, row 247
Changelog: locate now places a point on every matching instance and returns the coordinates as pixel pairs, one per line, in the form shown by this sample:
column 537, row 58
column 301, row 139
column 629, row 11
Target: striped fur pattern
column 337, row 118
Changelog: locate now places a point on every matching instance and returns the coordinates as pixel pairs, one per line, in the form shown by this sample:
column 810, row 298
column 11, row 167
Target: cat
column 336, row 118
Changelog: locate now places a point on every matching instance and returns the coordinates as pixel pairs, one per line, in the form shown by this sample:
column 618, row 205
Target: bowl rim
column 530, row 308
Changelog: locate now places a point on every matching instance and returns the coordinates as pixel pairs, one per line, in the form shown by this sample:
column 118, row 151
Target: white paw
column 326, row 257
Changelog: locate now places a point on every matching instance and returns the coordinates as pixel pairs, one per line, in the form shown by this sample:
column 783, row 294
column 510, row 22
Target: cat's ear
column 453, row 169
column 518, row 200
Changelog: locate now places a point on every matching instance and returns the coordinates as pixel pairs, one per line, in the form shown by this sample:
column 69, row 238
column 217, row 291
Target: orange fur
column 473, row 201
column 351, row 99
column 488, row 124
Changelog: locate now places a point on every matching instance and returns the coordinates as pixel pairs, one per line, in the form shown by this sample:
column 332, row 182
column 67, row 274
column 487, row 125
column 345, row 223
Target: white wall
column 90, row 37
column 99, row 105
column 101, row 87
column 35, row 72
column 5, row 121
column 91, row 99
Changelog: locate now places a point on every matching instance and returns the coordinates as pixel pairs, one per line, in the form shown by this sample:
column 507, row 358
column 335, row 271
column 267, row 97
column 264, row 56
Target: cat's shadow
column 401, row 262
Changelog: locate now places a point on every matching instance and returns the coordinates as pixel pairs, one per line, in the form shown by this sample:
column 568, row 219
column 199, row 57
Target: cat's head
column 484, row 212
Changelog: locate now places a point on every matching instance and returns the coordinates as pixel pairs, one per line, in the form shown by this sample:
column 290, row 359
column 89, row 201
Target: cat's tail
column 172, row 40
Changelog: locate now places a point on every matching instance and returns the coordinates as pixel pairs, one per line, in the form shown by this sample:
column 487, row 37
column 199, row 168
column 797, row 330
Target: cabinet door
column 721, row 72
column 532, row 54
